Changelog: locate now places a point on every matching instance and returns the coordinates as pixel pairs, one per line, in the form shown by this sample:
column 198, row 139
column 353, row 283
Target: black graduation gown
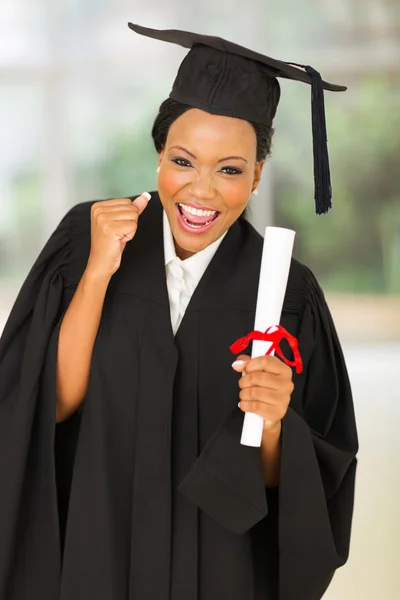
column 165, row 503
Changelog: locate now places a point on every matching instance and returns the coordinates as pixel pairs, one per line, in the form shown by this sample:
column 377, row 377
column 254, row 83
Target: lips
column 195, row 223
column 197, row 219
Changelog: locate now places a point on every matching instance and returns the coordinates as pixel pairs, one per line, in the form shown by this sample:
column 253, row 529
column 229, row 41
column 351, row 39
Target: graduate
column 121, row 468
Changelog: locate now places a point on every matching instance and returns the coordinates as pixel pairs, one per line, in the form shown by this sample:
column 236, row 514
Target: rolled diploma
column 274, row 273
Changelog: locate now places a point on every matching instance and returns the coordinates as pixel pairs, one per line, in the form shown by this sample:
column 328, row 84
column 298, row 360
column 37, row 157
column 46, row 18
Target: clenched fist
column 113, row 224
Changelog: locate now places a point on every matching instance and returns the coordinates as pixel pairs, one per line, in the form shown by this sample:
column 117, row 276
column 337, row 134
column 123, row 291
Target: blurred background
column 78, row 94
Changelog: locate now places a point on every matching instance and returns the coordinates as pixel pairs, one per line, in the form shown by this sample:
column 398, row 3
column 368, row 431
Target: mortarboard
column 224, row 78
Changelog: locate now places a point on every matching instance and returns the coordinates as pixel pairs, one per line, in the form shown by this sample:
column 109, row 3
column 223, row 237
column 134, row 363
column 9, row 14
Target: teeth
column 195, row 211
column 195, row 226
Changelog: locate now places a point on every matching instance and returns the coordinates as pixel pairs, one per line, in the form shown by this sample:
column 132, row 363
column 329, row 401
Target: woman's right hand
column 113, row 224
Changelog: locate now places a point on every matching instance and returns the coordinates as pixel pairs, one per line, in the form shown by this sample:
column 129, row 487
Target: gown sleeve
column 27, row 418
column 313, row 505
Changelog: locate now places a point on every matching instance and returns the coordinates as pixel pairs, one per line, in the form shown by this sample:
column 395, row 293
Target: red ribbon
column 275, row 337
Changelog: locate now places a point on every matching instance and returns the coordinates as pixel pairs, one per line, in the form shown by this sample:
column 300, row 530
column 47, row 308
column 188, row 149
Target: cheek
column 170, row 182
column 236, row 194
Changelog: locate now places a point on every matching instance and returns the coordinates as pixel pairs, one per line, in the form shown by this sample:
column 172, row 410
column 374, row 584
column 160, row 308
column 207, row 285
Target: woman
column 121, row 335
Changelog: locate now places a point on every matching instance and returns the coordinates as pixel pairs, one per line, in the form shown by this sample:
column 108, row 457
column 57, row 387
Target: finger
column 116, row 208
column 125, row 233
column 268, row 413
column 269, row 364
column 110, row 205
column 119, row 229
column 240, row 363
column 262, row 379
column 114, row 202
column 119, row 214
column 259, row 394
column 142, row 201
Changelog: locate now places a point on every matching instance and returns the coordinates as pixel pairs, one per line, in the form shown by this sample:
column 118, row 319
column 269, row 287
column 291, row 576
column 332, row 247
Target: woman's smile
column 194, row 219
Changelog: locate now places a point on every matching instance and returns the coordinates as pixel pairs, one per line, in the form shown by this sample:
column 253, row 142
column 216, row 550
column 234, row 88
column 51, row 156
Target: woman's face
column 208, row 170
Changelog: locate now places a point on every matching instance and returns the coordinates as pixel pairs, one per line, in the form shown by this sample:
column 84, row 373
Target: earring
column 255, row 192
column 158, row 170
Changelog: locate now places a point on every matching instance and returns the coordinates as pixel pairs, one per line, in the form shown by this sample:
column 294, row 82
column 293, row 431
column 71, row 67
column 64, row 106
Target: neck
column 182, row 253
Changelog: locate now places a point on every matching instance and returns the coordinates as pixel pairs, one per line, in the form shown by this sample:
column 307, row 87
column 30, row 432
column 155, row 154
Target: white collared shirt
column 183, row 276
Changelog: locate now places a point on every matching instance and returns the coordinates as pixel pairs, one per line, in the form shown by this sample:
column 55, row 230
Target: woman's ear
column 160, row 157
column 257, row 173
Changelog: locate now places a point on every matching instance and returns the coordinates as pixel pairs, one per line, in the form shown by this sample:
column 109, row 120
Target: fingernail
column 147, row 195
column 239, row 404
column 238, row 364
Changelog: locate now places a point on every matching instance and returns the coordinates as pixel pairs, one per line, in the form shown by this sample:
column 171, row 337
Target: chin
column 187, row 245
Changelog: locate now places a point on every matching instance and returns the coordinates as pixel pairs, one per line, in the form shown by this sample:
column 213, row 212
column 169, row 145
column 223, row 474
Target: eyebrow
column 220, row 160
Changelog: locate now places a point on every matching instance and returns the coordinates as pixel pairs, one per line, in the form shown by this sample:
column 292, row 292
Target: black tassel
column 322, row 176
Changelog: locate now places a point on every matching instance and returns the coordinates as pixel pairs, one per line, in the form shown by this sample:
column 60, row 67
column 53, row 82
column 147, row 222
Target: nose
column 201, row 187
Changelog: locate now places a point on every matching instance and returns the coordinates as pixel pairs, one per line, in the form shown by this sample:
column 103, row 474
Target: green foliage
column 131, row 166
column 128, row 167
column 355, row 247
column 23, row 239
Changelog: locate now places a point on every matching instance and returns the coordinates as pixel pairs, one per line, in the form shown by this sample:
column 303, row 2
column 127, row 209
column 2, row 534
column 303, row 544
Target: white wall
column 373, row 572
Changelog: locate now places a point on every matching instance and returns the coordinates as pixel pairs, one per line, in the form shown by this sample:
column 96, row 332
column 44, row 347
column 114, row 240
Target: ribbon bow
column 275, row 335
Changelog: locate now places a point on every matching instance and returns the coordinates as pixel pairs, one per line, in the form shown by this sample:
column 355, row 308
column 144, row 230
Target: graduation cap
column 223, row 78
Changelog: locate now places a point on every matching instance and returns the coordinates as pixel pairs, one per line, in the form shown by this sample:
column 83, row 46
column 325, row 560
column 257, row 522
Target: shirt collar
column 196, row 264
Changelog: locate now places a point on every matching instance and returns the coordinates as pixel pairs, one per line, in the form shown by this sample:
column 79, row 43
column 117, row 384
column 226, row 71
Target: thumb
column 240, row 363
column 142, row 201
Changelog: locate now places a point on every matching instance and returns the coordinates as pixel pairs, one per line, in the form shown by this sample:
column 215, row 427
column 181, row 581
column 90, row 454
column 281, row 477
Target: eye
column 231, row 171
column 181, row 162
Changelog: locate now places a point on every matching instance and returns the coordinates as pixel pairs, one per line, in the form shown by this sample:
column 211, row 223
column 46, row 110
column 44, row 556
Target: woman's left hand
column 265, row 387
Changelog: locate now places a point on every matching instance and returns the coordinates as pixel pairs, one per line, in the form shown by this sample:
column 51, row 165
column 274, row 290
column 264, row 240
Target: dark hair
column 170, row 110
